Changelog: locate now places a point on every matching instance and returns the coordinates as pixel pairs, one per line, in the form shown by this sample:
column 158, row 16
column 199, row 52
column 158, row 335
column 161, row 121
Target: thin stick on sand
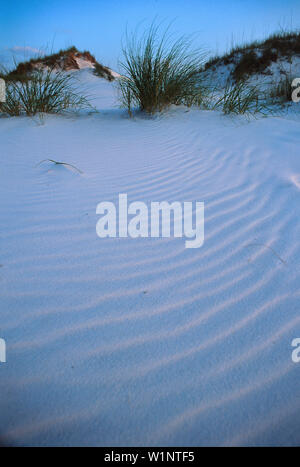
column 59, row 163
column 270, row 248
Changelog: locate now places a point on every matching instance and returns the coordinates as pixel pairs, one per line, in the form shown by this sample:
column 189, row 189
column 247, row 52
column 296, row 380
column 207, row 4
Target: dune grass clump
column 257, row 56
column 281, row 91
column 47, row 91
column 241, row 98
column 252, row 63
column 157, row 72
column 103, row 72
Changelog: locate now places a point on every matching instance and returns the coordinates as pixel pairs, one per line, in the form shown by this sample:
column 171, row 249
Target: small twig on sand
column 59, row 163
column 270, row 248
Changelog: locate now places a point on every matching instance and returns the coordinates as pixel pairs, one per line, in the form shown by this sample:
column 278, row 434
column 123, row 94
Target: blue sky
column 99, row 25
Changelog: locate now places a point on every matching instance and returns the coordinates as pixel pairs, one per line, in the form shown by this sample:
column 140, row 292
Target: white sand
column 144, row 342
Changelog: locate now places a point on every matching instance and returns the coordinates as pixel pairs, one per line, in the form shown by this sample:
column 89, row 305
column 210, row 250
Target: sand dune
column 141, row 341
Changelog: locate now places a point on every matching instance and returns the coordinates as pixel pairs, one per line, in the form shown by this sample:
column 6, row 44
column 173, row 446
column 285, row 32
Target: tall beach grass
column 45, row 91
column 241, row 98
column 158, row 72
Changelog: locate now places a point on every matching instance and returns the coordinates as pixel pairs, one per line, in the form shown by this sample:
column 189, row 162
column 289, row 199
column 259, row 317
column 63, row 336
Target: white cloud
column 24, row 50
